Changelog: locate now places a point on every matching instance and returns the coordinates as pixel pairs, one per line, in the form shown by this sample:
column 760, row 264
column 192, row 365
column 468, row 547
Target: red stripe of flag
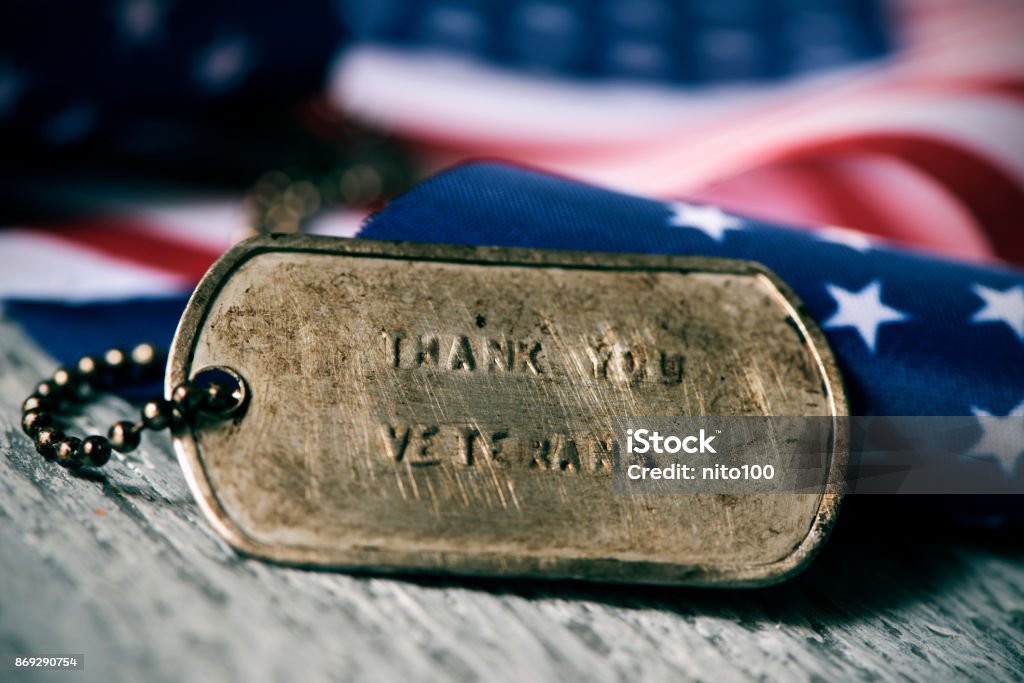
column 987, row 191
column 133, row 241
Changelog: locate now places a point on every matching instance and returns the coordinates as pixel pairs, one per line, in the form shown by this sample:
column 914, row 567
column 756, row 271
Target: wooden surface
column 123, row 569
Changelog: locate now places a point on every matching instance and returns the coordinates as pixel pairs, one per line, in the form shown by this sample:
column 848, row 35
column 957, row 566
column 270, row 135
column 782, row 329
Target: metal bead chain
column 93, row 374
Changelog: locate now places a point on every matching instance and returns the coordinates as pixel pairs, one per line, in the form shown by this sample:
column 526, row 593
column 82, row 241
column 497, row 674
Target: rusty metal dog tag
column 418, row 407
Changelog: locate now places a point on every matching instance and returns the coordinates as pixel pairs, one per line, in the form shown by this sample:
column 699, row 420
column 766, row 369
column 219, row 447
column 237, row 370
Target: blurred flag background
column 901, row 119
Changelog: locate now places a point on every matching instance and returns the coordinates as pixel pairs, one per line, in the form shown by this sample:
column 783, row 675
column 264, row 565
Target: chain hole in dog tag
column 235, row 391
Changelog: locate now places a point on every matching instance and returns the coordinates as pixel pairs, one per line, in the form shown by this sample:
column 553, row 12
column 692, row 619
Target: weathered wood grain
column 124, row 569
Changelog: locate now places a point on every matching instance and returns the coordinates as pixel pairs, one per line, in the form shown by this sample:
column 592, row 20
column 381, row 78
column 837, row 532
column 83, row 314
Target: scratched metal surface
column 456, row 415
column 124, row 569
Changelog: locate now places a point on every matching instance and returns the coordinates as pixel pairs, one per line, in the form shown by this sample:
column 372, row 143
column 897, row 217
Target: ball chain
column 111, row 370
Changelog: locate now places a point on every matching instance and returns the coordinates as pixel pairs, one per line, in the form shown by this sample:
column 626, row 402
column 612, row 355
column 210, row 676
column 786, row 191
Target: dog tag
column 416, row 407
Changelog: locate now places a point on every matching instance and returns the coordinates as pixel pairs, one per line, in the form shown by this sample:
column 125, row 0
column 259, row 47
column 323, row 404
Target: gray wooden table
column 123, row 569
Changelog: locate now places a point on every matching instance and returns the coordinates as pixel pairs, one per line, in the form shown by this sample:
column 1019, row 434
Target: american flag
column 871, row 153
